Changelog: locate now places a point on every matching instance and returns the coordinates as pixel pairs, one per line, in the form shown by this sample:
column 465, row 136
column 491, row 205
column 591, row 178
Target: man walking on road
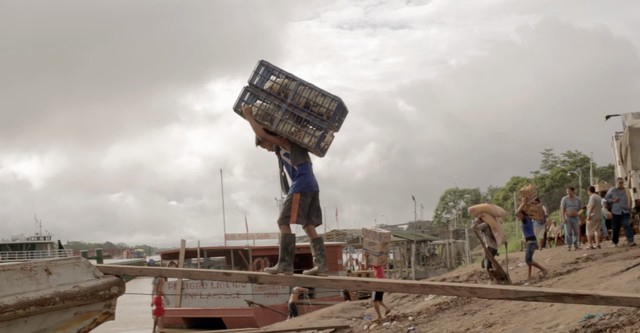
column 619, row 202
column 570, row 205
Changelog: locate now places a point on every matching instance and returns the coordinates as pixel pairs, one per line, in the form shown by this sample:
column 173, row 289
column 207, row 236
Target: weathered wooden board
column 498, row 292
column 500, row 274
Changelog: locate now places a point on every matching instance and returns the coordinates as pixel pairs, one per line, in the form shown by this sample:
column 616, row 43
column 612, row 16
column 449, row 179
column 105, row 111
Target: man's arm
column 609, row 196
column 300, row 290
column 481, row 225
column 519, row 212
column 562, row 210
column 260, row 132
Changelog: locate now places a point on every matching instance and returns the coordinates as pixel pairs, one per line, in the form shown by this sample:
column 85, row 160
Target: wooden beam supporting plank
column 499, row 274
column 497, row 292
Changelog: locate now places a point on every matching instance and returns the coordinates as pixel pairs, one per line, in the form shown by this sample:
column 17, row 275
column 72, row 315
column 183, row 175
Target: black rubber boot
column 319, row 258
column 285, row 258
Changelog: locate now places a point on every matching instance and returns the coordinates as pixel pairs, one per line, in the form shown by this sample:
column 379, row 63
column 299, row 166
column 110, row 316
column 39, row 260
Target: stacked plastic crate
column 292, row 108
column 375, row 242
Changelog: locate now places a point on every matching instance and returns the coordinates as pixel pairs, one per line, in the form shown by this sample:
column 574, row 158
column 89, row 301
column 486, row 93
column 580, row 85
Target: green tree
column 453, row 204
column 604, row 173
column 505, row 196
column 565, row 170
column 490, row 193
column 549, row 160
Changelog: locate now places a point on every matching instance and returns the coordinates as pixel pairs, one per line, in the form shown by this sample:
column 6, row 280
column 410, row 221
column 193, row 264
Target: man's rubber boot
column 285, row 257
column 319, row 258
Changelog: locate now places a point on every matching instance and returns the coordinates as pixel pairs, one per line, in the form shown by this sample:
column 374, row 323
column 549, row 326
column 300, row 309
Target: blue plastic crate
column 299, row 94
column 292, row 124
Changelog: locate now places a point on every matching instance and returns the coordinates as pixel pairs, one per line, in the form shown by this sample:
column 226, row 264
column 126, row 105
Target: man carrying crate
column 302, row 205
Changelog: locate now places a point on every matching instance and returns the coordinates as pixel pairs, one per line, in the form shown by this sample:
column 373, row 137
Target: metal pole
column 324, row 222
column 415, row 238
column 591, row 170
column 224, row 222
column 580, row 183
column 466, row 247
column 515, row 218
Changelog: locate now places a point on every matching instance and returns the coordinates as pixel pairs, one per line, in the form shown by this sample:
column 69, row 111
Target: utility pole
column 591, row 183
column 415, row 237
column 224, row 222
column 579, row 173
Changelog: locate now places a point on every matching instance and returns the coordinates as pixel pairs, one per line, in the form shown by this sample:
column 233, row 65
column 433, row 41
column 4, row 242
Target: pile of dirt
column 607, row 269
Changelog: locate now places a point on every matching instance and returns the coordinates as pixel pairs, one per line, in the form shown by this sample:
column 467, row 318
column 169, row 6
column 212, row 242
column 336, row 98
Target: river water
column 133, row 312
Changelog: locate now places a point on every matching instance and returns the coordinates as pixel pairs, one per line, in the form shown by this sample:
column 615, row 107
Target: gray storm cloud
column 116, row 118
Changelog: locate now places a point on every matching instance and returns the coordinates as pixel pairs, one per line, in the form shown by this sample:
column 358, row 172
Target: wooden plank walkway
column 496, row 292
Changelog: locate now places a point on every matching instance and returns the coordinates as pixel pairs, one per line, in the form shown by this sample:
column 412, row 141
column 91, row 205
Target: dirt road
column 606, row 269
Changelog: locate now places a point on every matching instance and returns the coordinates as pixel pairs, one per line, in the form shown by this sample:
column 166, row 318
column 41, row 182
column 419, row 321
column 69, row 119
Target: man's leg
column 386, row 308
column 567, row 233
column 290, row 307
column 603, row 230
column 287, row 252
column 616, row 223
column 377, row 307
column 530, row 248
column 314, row 218
column 628, row 232
column 538, row 266
column 575, row 233
column 285, row 229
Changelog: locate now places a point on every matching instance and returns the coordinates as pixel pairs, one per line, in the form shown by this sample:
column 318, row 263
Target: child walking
column 157, row 302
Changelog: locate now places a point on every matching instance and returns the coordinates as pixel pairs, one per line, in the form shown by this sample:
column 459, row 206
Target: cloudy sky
column 116, row 119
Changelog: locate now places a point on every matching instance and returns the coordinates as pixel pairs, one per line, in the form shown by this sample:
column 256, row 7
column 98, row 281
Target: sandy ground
column 606, row 269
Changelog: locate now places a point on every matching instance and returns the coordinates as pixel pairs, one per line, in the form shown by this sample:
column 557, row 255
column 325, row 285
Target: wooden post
column 502, row 276
column 99, row 257
column 183, row 245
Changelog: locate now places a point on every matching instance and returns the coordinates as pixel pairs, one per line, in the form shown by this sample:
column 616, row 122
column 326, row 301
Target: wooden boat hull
column 235, row 318
column 56, row 295
column 211, row 304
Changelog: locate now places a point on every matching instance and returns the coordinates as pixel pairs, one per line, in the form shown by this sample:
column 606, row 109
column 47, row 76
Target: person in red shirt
column 157, row 303
column 376, row 299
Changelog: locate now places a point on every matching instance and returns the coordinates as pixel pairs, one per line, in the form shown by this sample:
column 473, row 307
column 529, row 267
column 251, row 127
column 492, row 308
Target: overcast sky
column 116, row 116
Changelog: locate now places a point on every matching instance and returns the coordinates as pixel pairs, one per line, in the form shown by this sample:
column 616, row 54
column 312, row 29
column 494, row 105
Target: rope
column 251, row 303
